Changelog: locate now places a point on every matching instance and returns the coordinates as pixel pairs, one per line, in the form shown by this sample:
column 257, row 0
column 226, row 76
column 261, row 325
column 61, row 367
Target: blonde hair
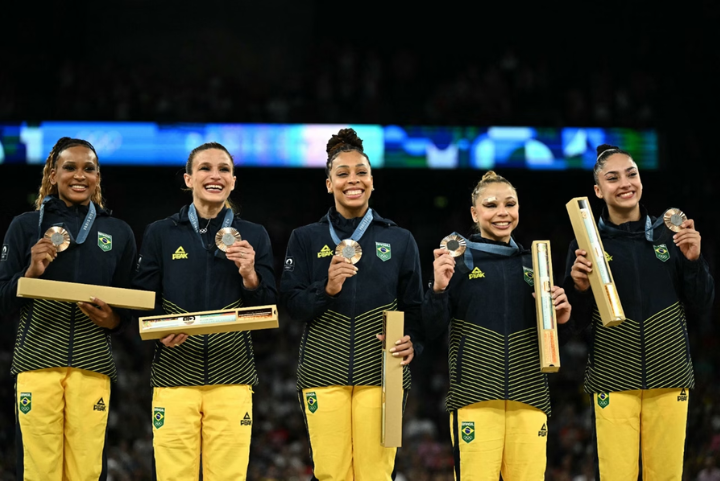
column 490, row 177
column 47, row 188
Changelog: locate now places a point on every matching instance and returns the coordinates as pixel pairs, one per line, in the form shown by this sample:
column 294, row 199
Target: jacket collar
column 632, row 226
column 58, row 206
column 182, row 216
column 377, row 218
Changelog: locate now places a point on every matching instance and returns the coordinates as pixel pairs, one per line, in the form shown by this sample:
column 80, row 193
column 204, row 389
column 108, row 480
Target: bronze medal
column 349, row 249
column 674, row 218
column 59, row 237
column 226, row 237
column 454, row 244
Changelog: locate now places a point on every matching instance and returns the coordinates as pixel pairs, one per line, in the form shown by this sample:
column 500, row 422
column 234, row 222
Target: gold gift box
column 209, row 322
column 392, row 380
column 601, row 279
column 544, row 306
column 74, row 292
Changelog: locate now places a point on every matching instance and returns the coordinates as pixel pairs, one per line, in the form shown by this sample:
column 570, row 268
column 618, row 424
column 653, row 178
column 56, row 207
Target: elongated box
column 546, row 317
column 209, row 322
column 74, row 292
column 601, row 279
column 392, row 380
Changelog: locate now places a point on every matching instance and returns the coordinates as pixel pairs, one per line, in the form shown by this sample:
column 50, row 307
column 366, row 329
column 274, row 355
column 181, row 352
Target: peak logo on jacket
column 325, row 252
column 180, row 254
column 476, row 274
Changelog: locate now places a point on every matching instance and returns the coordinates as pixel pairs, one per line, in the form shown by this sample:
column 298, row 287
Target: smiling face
column 76, row 175
column 496, row 211
column 619, row 184
column 351, row 183
column 211, row 179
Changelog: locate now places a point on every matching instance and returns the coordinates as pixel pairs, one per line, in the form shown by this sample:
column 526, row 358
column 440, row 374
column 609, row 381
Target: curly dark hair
column 346, row 140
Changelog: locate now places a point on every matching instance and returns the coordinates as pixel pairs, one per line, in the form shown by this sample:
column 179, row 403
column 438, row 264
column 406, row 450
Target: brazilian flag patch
column 158, row 417
column 383, row 251
column 661, row 252
column 25, row 402
column 104, row 241
column 312, row 401
column 529, row 276
column 467, row 431
column 603, row 399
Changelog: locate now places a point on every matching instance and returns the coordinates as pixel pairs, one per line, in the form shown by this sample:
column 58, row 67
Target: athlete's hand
column 580, row 270
column 562, row 306
column 339, row 270
column 174, row 340
column 243, row 255
column 100, row 313
column 688, row 240
column 403, row 347
column 41, row 255
column 443, row 269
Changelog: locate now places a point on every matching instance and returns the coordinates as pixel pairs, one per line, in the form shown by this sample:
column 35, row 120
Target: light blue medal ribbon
column 649, row 228
column 84, row 229
column 192, row 215
column 501, row 250
column 359, row 231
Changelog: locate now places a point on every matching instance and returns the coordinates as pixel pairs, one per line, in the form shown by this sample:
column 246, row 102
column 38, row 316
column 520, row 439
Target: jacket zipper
column 352, row 333
column 642, row 312
column 507, row 339
column 206, row 338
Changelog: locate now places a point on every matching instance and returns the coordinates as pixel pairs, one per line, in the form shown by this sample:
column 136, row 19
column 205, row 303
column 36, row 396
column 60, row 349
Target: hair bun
column 344, row 137
column 489, row 175
column 602, row 148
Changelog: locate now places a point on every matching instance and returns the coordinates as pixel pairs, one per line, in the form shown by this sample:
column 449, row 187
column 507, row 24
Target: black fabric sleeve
column 436, row 313
column 582, row 302
column 303, row 297
column 122, row 277
column 697, row 288
column 149, row 270
column 410, row 295
column 266, row 292
column 14, row 262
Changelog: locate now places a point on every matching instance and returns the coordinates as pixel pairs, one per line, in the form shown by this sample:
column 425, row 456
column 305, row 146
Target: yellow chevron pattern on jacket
column 230, row 358
column 44, row 339
column 325, row 352
column 477, row 363
column 615, row 362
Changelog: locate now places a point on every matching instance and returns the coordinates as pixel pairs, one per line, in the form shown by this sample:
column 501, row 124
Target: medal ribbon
column 649, row 228
column 506, row 251
column 84, row 229
column 359, row 231
column 192, row 215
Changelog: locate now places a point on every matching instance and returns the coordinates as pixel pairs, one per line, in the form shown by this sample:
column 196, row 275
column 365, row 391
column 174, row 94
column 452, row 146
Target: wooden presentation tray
column 74, row 292
column 209, row 322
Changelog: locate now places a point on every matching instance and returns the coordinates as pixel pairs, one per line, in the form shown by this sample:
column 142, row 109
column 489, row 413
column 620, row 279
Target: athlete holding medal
column 340, row 274
column 205, row 258
column 62, row 358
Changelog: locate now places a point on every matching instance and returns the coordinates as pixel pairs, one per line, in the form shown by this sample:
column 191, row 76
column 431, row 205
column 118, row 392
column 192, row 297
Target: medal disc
column 59, row 237
column 454, row 244
column 226, row 237
column 674, row 218
column 349, row 249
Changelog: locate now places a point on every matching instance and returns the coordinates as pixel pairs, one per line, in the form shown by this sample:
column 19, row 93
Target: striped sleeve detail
column 667, row 356
column 44, row 334
column 615, row 362
column 320, row 365
column 477, row 364
column 525, row 381
column 222, row 358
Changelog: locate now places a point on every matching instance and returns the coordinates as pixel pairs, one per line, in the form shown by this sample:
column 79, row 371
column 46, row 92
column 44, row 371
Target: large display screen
column 303, row 145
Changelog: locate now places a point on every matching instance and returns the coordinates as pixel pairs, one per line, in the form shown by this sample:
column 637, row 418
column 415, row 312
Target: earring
column 373, row 188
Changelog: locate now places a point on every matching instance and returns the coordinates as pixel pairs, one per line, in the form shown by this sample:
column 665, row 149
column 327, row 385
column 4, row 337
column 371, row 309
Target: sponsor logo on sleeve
column 289, row 264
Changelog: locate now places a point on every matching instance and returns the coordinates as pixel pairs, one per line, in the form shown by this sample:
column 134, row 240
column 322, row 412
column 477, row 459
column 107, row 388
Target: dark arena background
column 538, row 83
